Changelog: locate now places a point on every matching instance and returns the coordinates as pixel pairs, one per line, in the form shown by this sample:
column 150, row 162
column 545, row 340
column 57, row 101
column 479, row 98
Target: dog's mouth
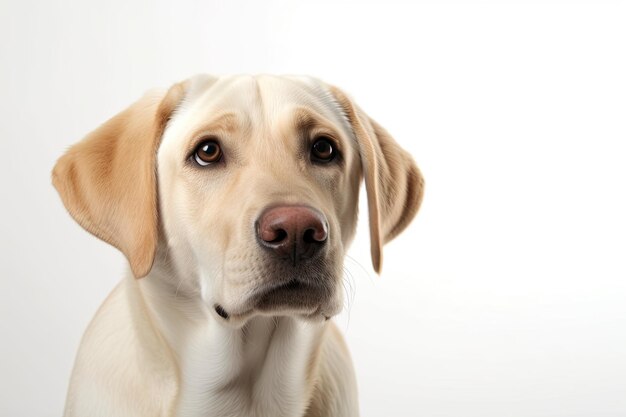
column 293, row 294
column 291, row 298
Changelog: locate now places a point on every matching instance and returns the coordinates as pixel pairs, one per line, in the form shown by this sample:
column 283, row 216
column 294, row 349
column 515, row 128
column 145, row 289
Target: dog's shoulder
column 119, row 362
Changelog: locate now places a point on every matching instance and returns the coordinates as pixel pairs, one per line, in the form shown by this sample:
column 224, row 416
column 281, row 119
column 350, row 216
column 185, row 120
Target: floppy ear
column 393, row 183
column 108, row 180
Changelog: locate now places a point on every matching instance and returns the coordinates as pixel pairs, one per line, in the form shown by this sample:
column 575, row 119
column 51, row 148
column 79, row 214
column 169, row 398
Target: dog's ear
column 393, row 183
column 108, row 180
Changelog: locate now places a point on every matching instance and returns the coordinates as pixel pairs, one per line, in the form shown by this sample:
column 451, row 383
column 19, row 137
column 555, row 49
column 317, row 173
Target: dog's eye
column 323, row 150
column 208, row 152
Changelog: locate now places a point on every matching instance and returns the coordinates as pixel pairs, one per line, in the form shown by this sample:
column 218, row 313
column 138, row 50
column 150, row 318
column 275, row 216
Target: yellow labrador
column 236, row 199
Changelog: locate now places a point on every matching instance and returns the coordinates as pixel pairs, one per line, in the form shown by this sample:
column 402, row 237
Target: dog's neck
column 264, row 368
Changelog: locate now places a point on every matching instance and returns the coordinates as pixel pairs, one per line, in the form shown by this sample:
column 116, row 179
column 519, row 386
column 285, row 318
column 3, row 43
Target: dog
column 234, row 200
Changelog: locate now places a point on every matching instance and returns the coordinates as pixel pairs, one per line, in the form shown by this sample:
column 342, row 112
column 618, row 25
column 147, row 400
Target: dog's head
column 244, row 188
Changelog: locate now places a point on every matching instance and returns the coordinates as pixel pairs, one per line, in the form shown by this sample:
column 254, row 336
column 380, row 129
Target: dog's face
column 254, row 200
column 258, row 183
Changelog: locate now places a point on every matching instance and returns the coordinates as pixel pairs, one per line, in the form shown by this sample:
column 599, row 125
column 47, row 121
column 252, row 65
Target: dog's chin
column 313, row 303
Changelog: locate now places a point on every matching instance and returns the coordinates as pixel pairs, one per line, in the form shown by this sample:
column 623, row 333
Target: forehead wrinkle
column 335, row 110
column 236, row 93
column 311, row 94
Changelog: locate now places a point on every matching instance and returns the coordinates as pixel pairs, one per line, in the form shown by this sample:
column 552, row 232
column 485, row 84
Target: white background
column 505, row 297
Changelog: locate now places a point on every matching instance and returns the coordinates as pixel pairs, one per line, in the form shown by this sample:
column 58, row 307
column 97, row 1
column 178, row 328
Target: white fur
column 157, row 347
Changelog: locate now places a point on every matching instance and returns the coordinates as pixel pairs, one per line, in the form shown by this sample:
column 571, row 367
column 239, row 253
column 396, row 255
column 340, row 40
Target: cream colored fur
column 157, row 346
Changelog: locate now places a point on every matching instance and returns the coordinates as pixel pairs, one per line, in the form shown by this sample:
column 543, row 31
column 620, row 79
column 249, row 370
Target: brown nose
column 292, row 232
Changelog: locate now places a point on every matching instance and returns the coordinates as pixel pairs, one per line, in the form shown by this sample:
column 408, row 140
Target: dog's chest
column 260, row 371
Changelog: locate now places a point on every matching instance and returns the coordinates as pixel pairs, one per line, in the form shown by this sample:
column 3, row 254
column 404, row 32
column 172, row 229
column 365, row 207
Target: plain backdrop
column 505, row 297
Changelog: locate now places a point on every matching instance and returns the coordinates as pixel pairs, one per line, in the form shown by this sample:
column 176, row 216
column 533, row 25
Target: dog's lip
column 293, row 284
column 290, row 293
column 292, row 297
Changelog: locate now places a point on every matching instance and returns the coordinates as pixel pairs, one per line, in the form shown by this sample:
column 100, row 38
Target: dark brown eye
column 323, row 150
column 208, row 152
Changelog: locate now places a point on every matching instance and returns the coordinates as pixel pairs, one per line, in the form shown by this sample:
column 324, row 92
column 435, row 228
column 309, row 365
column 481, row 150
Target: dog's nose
column 293, row 232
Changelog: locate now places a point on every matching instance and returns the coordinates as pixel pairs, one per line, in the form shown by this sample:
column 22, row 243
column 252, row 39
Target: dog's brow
column 228, row 122
column 306, row 119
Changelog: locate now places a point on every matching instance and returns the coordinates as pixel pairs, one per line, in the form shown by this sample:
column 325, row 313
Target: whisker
column 350, row 292
column 363, row 269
